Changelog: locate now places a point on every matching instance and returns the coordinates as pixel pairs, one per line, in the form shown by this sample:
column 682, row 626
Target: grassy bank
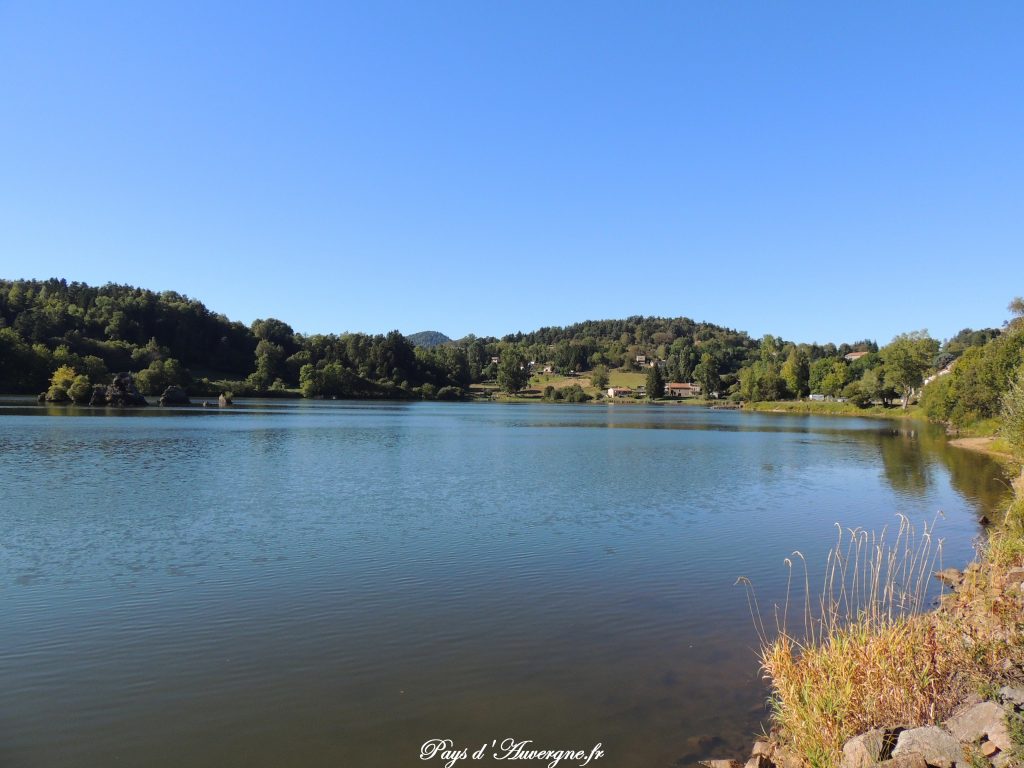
column 823, row 408
column 868, row 653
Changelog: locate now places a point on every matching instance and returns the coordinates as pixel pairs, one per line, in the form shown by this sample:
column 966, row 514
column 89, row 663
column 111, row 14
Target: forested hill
column 87, row 333
column 428, row 339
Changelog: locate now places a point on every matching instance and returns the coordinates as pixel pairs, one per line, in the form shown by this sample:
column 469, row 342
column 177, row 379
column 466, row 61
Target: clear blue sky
column 816, row 172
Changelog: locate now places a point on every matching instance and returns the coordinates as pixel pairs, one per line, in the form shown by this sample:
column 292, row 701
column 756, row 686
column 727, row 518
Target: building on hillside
column 681, row 389
column 620, row 392
column 851, row 356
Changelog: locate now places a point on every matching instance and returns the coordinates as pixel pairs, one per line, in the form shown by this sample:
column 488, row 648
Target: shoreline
column 983, row 723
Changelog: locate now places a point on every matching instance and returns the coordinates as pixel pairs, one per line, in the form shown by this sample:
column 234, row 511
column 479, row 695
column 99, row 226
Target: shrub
column 56, row 394
column 80, row 390
column 1013, row 413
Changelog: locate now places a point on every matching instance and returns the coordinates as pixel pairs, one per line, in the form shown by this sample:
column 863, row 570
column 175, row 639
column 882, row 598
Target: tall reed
column 857, row 649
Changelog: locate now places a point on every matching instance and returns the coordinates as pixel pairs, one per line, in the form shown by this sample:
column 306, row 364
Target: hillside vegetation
column 170, row 339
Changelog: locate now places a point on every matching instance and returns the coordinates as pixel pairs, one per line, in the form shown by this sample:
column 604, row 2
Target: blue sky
column 818, row 172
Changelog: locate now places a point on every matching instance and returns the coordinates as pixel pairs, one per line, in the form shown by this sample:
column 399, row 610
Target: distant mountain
column 428, row 339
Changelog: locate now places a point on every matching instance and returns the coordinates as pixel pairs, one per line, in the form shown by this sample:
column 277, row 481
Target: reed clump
column 863, row 650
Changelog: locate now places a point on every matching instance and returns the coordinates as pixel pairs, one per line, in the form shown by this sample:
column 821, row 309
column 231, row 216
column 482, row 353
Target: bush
column 63, row 377
column 574, row 394
column 80, row 390
column 450, row 393
column 856, row 395
column 56, row 394
column 1013, row 413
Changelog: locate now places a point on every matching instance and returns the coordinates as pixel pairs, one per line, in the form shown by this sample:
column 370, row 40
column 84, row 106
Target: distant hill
column 428, row 339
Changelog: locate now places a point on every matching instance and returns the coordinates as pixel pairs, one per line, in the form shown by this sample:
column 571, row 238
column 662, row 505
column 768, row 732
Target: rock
column 975, row 723
column 174, row 395
column 99, row 395
column 224, row 400
column 984, row 521
column 988, row 748
column 864, row 751
column 950, row 576
column 938, row 748
column 761, row 748
column 1014, row 577
column 903, row 761
column 758, row 761
column 720, row 763
column 1013, row 696
column 783, row 758
column 122, row 392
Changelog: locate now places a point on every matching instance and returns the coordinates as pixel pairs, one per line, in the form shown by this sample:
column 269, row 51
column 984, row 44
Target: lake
column 333, row 584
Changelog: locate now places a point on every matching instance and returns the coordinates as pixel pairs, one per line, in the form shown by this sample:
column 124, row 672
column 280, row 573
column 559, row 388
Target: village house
column 620, row 392
column 681, row 389
column 851, row 356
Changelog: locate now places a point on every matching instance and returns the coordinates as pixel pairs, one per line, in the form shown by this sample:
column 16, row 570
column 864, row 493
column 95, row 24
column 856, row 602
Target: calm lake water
column 333, row 584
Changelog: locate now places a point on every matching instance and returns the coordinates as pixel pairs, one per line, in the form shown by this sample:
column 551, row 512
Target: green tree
column 706, row 374
column 655, row 383
column 835, row 379
column 907, row 358
column 796, row 372
column 873, row 385
column 599, row 377
column 512, row 371
column 61, row 381
column 63, row 377
column 760, row 382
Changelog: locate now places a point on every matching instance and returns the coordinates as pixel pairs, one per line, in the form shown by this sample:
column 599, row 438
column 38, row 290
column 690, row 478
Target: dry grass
column 866, row 652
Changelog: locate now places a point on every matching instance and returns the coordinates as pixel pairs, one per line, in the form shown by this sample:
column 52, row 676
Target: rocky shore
column 983, row 727
column 979, row 734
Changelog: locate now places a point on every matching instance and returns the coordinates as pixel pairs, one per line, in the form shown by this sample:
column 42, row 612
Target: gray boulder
column 973, row 724
column 1013, row 696
column 99, row 395
column 174, row 395
column 864, row 751
column 938, row 748
column 904, row 761
column 122, row 392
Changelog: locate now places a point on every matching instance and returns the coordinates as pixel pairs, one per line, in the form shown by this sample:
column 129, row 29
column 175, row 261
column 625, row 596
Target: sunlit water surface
column 333, row 584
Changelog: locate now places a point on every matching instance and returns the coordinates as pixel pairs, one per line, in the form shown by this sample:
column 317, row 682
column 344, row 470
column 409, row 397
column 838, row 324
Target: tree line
column 169, row 339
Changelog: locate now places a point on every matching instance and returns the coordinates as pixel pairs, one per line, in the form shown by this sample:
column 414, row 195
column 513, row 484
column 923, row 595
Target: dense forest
column 88, row 333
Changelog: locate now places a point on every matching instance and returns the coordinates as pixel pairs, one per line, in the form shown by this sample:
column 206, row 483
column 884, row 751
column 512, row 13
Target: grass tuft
column 864, row 652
